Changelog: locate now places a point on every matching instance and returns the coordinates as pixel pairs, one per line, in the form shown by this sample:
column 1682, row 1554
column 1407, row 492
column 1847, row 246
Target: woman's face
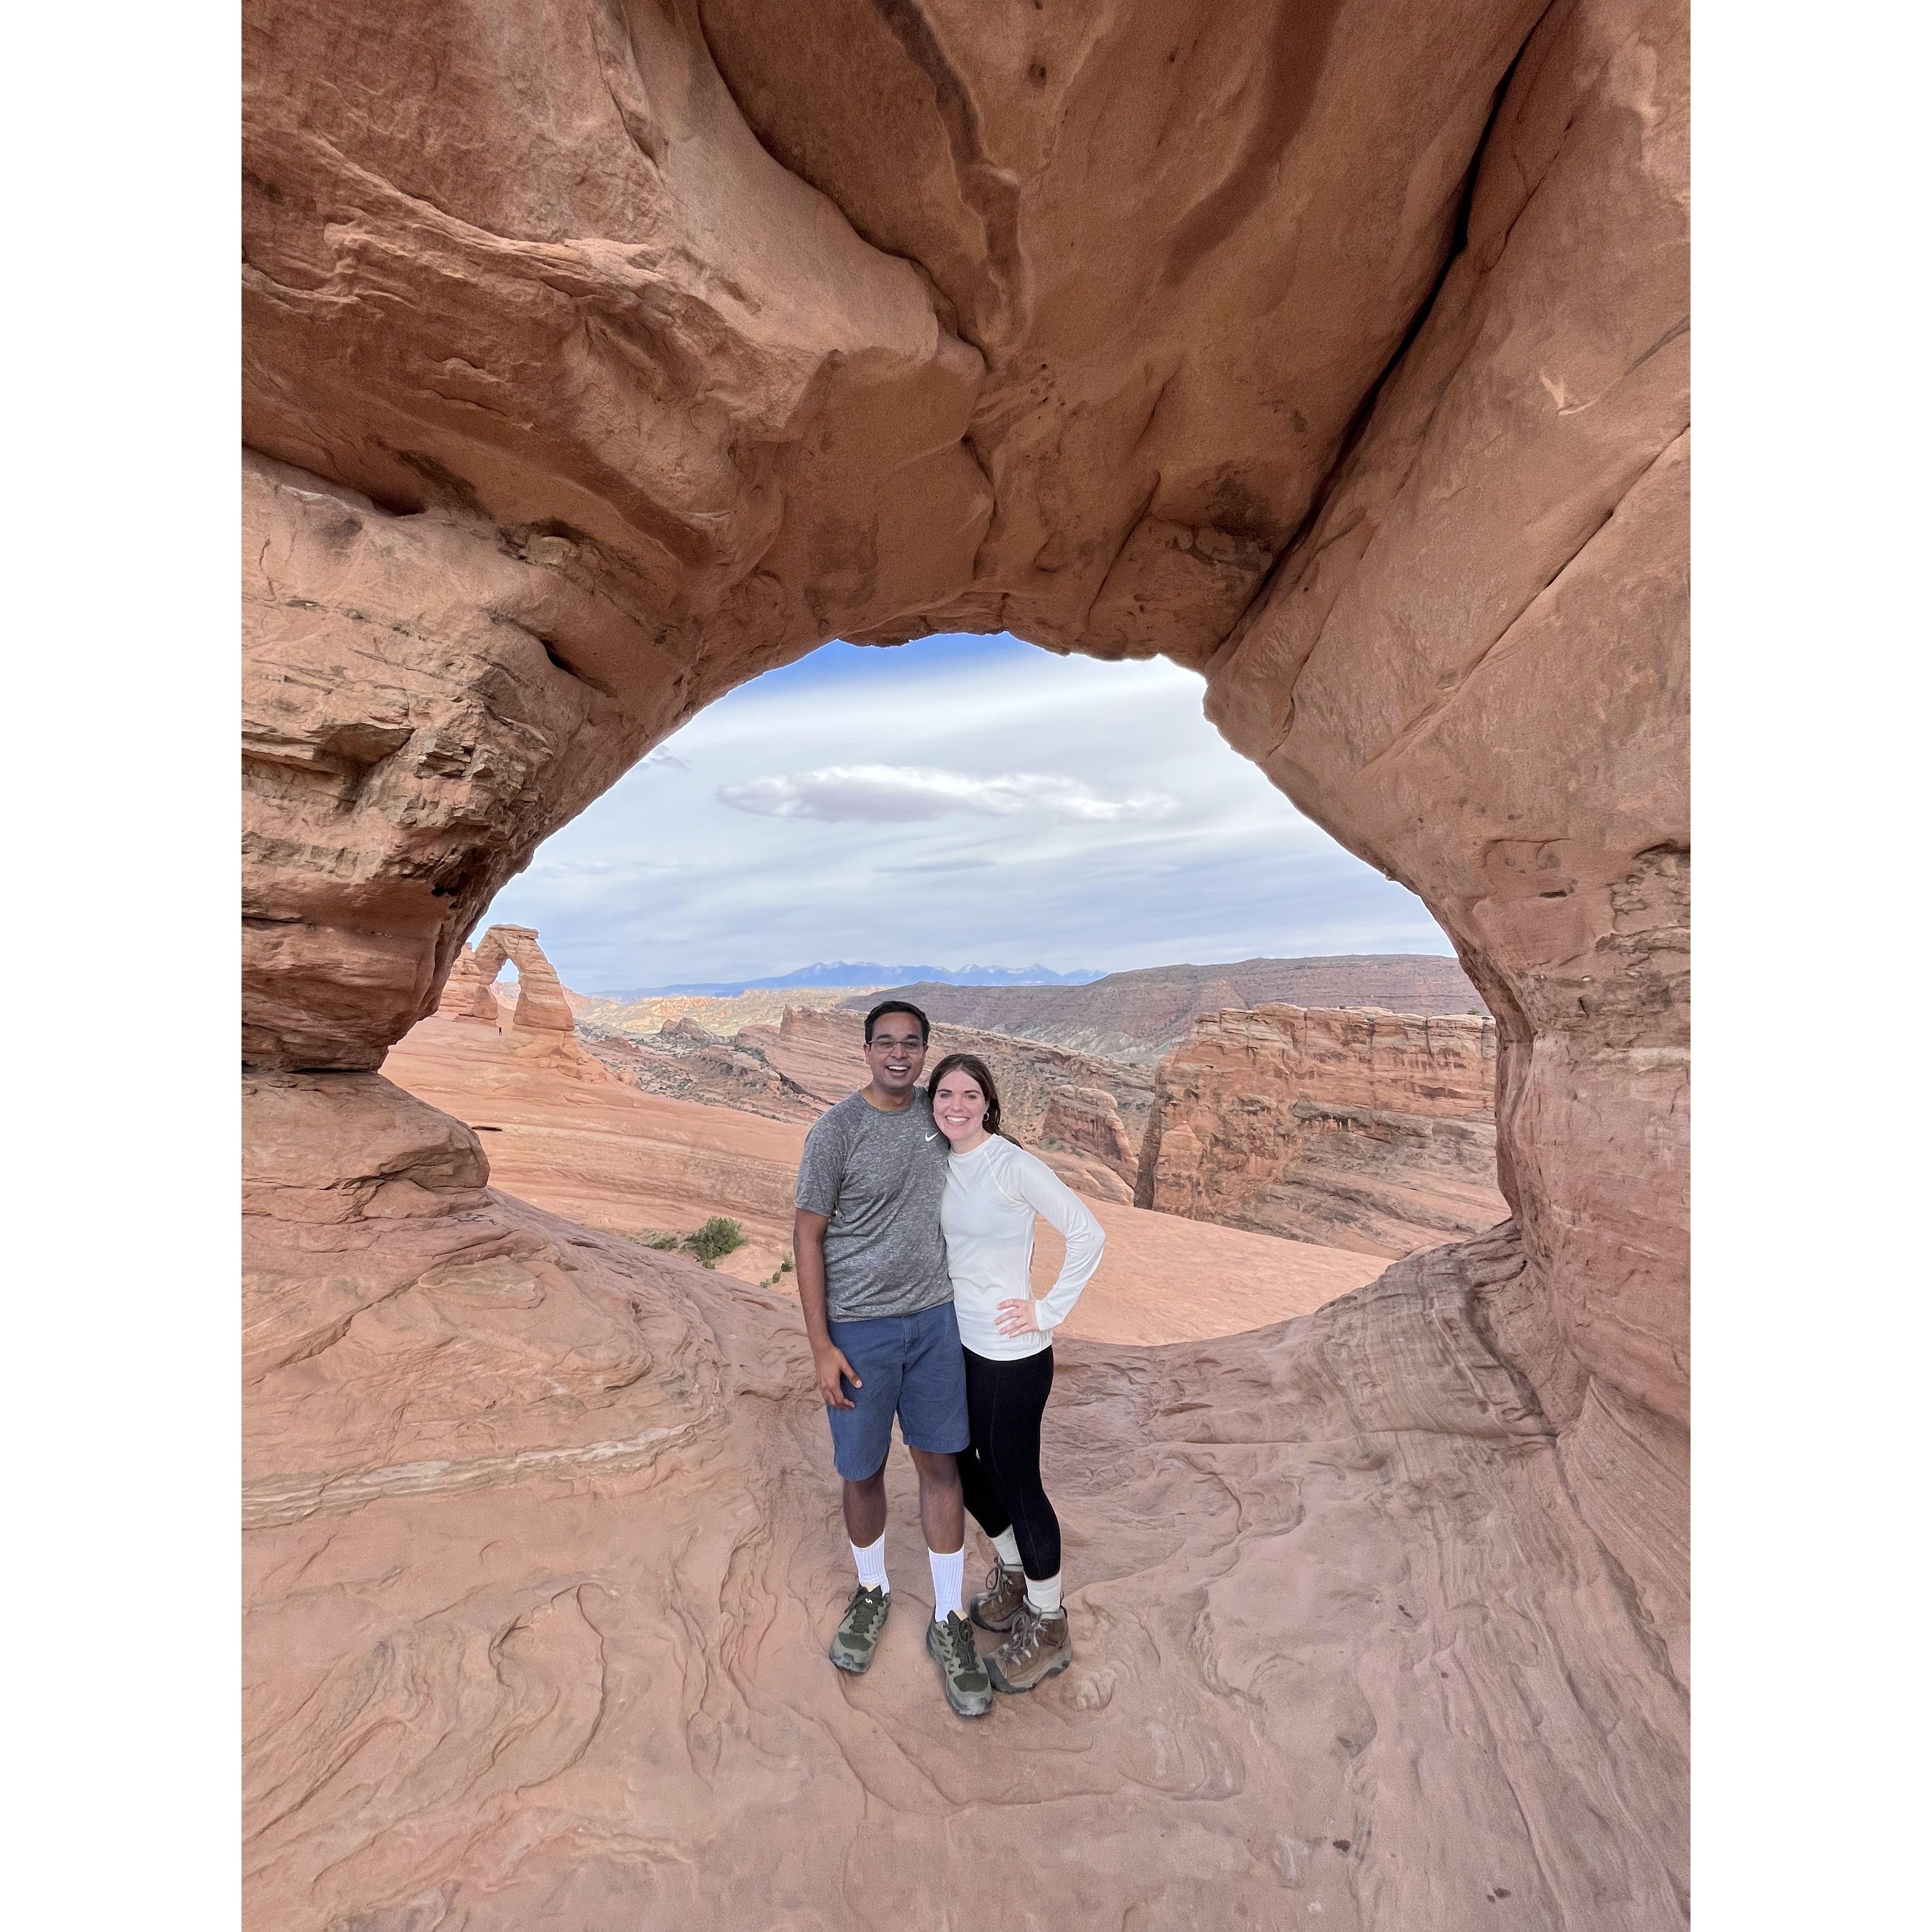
column 959, row 1107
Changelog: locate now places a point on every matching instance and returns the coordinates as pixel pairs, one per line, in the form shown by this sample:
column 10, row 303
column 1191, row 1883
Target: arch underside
column 1339, row 353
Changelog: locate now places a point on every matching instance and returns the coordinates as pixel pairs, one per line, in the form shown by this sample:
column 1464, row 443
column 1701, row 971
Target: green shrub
column 784, row 1267
column 653, row 1237
column 717, row 1238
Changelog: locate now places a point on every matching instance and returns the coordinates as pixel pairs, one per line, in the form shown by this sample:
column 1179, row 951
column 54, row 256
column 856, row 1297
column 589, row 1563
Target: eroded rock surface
column 1358, row 1129
column 544, row 1555
column 1084, row 1123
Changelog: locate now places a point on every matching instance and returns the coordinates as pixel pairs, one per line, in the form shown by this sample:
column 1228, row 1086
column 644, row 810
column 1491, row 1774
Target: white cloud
column 942, row 803
column 905, row 794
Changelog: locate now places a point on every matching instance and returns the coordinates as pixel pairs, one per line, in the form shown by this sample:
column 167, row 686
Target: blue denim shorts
column 910, row 1366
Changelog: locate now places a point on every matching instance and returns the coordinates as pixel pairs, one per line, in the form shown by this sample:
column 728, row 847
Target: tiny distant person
column 993, row 1189
column 878, row 1314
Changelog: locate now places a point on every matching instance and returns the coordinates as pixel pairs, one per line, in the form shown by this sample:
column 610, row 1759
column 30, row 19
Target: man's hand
column 1017, row 1318
column 828, row 1365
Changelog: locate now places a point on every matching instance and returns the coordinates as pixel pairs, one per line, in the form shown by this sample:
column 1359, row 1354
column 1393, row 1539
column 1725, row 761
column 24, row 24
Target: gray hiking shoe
column 1005, row 1592
column 949, row 1645
column 1038, row 1647
column 858, row 1633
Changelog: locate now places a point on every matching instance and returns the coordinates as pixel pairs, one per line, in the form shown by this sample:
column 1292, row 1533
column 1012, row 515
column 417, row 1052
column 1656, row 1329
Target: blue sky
column 961, row 800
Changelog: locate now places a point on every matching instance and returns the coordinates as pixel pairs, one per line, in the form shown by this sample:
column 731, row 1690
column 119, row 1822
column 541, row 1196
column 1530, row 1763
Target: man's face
column 896, row 1053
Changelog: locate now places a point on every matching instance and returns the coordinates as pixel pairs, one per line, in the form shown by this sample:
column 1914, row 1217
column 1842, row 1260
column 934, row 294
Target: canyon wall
column 1141, row 1015
column 1086, row 1120
column 1367, row 1130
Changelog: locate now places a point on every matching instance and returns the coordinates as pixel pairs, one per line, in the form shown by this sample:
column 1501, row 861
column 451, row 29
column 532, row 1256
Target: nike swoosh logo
column 932, row 1137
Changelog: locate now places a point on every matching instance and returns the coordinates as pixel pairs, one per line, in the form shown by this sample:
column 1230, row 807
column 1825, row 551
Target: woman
column 994, row 1189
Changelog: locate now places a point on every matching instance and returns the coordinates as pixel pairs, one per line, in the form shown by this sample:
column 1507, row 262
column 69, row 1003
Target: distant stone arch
column 541, row 1006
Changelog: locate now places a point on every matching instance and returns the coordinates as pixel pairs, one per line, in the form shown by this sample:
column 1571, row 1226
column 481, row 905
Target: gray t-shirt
column 878, row 1178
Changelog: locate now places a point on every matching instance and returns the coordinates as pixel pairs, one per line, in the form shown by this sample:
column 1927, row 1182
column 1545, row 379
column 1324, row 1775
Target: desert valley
column 638, row 1120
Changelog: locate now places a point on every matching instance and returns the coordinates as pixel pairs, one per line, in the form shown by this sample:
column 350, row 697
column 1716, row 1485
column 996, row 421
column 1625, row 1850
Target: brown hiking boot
column 1038, row 1648
column 1006, row 1591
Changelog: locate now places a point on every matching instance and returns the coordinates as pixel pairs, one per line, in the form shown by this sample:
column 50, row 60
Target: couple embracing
column 914, row 1243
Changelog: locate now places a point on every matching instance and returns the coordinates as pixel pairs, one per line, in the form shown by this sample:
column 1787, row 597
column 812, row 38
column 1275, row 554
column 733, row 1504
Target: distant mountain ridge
column 869, row 973
column 1138, row 1016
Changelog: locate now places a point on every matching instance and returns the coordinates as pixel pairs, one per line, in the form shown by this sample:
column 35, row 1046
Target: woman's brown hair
column 970, row 1064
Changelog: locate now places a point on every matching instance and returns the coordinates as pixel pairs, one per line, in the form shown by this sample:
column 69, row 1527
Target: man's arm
column 828, row 1361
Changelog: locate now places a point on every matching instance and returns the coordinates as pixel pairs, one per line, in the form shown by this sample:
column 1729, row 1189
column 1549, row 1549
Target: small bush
column 653, row 1237
column 784, row 1267
column 717, row 1238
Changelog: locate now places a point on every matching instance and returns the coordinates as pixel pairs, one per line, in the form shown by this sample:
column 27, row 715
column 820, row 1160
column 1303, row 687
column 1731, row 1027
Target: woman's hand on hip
column 1017, row 1317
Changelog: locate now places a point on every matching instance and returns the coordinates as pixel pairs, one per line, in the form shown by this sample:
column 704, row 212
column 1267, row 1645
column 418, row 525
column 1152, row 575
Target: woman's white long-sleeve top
column 991, row 1196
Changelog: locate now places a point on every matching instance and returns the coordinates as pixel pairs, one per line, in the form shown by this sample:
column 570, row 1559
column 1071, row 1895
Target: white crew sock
column 1008, row 1545
column 871, row 1562
column 948, row 1573
column 1043, row 1599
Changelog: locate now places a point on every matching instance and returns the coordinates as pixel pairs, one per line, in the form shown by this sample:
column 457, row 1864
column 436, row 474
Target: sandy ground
column 585, row 1146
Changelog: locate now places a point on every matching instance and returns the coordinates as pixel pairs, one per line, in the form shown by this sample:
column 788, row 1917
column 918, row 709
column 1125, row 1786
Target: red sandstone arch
column 1342, row 354
column 541, row 1006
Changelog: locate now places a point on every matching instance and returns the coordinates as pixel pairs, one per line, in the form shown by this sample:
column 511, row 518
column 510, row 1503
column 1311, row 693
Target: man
column 878, row 1313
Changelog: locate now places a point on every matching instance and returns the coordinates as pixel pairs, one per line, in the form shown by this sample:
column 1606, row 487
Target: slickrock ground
column 625, row 1163
column 618, row 1160
column 544, row 1551
column 1360, row 1129
column 1141, row 1016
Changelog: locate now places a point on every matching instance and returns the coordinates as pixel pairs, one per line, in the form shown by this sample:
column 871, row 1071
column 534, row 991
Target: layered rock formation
column 1367, row 1130
column 583, row 422
column 466, row 993
column 1083, row 1124
column 1141, row 1015
column 596, row 360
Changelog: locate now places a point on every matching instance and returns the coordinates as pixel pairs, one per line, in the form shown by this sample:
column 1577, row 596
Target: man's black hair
column 886, row 1007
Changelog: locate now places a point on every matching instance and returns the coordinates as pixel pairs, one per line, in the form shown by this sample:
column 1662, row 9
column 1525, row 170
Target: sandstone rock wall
column 1472, row 667
column 1086, row 1120
column 570, row 412
column 1357, row 1129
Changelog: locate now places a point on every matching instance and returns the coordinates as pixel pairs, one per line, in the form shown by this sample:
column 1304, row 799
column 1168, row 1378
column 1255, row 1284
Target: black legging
column 1000, row 1472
